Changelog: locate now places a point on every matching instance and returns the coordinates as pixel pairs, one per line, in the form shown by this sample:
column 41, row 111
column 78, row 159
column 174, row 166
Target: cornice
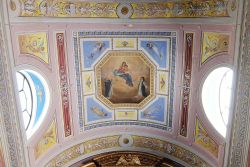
column 10, row 131
column 241, row 122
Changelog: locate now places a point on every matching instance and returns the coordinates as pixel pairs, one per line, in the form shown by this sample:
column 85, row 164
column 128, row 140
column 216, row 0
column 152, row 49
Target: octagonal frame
column 121, row 53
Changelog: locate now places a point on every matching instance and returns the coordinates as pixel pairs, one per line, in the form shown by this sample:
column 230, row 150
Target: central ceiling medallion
column 125, row 79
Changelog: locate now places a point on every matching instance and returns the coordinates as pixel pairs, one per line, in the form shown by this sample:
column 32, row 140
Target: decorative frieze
column 112, row 142
column 135, row 10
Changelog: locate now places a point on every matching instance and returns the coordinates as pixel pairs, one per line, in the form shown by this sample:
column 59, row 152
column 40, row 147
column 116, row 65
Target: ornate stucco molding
column 10, row 130
column 134, row 10
column 138, row 143
column 241, row 123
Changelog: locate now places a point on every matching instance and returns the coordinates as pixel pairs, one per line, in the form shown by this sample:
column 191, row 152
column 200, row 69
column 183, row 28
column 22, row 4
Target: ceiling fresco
column 120, row 76
column 104, row 78
column 123, row 90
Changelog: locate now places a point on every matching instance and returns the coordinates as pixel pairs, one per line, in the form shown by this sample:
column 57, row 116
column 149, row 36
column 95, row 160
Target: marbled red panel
column 248, row 157
column 187, row 71
column 64, row 83
column 2, row 164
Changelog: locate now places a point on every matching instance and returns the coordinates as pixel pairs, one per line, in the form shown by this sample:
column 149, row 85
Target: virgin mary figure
column 122, row 71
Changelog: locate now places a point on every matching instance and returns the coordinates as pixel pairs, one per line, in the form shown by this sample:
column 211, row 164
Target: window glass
column 34, row 99
column 216, row 97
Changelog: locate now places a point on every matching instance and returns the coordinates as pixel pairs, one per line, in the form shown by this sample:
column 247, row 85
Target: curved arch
column 214, row 56
column 160, row 147
column 126, row 158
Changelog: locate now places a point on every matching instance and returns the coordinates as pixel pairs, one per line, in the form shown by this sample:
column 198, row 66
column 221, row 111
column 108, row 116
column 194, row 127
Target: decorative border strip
column 112, row 142
column 122, row 33
column 78, row 82
column 135, row 10
column 171, row 104
column 186, row 82
column 64, row 83
column 153, row 125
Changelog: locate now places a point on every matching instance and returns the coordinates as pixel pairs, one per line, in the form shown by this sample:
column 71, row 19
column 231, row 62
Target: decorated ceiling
column 90, row 88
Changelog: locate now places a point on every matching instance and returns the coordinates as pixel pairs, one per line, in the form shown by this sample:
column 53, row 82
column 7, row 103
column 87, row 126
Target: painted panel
column 187, row 74
column 125, row 44
column 88, row 82
column 155, row 112
column 162, row 82
column 203, row 139
column 214, row 43
column 125, row 78
column 96, row 112
column 126, row 115
column 158, row 50
column 62, row 63
column 92, row 49
column 34, row 44
column 124, row 81
column 135, row 10
column 48, row 140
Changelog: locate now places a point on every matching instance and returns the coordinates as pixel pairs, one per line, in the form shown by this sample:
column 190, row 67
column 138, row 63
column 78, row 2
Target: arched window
column 216, row 97
column 34, row 99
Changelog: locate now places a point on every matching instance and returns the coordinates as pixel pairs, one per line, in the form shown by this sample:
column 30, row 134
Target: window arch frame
column 205, row 75
column 30, row 131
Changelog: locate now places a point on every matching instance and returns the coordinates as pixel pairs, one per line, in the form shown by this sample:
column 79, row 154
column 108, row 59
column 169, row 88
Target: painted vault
column 117, row 75
column 121, row 76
